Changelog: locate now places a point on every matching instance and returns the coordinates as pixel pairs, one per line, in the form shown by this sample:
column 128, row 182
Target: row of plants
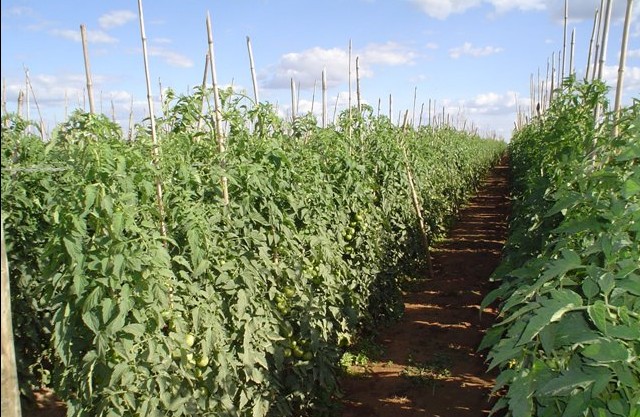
column 124, row 306
column 568, row 339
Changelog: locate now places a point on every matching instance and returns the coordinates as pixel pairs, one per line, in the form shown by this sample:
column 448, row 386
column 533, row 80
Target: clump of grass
column 428, row 373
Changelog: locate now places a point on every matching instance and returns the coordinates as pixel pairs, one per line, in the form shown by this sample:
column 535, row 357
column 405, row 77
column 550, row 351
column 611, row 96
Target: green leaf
column 91, row 321
column 598, row 314
column 606, row 351
column 552, row 310
column 135, row 329
column 630, row 188
column 568, row 381
column 558, row 267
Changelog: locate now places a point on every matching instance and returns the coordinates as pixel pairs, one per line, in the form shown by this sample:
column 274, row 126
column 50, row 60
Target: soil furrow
column 430, row 366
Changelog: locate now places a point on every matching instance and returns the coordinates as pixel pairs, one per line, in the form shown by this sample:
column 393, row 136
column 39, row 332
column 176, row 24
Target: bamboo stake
column 379, row 107
column 4, row 96
column 415, row 97
column 605, row 37
column 20, row 101
column 203, row 89
column 390, row 107
column 560, row 79
column 154, row 138
column 429, row 111
column 335, row 108
column 87, row 68
column 253, row 72
column 421, row 113
column 130, row 137
column 591, row 41
column 358, row 102
column 294, row 111
column 623, row 59
column 596, row 56
column 349, row 99
column 26, row 96
column 313, row 95
column 573, row 44
column 532, row 96
column 217, row 110
column 415, row 199
column 553, row 75
column 298, row 89
column 349, row 64
column 324, row 97
column 10, row 390
column 35, row 101
column 564, row 37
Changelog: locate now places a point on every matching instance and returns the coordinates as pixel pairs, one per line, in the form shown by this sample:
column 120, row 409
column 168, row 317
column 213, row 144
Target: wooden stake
column 594, row 72
column 415, row 199
column 4, row 96
column 324, row 97
column 217, row 110
column 203, row 89
column 30, row 88
column 591, row 41
column 87, row 68
column 358, row 102
column 573, row 44
column 623, row 59
column 564, row 38
column 605, row 37
column 253, row 73
column 154, row 139
column 10, row 389
column 294, row 111
column 413, row 114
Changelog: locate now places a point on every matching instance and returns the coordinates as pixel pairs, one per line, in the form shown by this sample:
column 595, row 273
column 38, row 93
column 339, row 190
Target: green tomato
column 287, row 352
column 289, row 292
column 203, row 361
column 307, row 356
column 189, row 340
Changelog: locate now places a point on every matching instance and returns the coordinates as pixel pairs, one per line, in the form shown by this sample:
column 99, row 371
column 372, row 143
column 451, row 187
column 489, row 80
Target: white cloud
column 306, row 67
column 578, row 9
column 115, row 18
column 631, row 81
column 503, row 6
column 93, row 36
column 468, row 49
column 441, row 9
column 19, row 11
column 172, row 58
column 390, row 53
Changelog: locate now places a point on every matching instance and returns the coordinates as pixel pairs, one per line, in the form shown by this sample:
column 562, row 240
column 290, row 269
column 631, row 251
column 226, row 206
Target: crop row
column 568, row 340
column 125, row 306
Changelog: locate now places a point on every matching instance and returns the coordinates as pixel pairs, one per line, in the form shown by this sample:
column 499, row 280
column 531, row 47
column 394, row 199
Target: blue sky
column 472, row 57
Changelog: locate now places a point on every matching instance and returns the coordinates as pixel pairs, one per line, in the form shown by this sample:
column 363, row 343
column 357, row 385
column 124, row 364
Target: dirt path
column 430, row 367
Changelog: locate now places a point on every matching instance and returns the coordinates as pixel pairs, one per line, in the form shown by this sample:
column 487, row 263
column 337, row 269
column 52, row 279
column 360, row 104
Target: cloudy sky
column 472, row 58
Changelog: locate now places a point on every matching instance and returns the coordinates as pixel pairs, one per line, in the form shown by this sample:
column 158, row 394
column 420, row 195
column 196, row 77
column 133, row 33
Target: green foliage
column 568, row 341
column 241, row 309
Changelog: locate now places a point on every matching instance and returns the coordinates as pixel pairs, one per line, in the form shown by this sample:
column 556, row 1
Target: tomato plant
column 239, row 309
